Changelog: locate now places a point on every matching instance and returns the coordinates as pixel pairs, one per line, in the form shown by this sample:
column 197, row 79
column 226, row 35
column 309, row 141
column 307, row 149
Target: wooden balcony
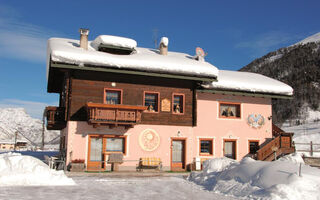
column 114, row 114
column 55, row 118
column 280, row 145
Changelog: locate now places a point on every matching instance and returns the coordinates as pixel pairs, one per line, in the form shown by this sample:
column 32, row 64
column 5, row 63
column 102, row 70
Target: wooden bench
column 149, row 163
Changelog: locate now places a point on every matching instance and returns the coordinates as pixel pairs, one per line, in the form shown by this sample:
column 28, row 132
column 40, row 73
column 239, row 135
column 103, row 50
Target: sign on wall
column 255, row 120
column 149, row 140
column 165, row 105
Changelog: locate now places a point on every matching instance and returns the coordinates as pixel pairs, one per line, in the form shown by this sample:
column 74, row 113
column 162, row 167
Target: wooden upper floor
column 117, row 99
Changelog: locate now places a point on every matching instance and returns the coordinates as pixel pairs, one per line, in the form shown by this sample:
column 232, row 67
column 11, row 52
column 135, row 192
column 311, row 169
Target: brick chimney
column 164, row 46
column 84, row 38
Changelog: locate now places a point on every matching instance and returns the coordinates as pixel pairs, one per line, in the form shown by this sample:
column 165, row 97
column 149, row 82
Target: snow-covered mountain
column 313, row 38
column 14, row 120
column 299, row 66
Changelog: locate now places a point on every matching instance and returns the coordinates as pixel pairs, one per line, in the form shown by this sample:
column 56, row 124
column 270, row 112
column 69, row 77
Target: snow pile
column 116, row 41
column 16, row 169
column 30, row 129
column 260, row 179
column 249, row 82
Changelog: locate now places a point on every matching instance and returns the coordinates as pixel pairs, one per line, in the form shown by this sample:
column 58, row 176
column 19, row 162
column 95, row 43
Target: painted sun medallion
column 149, row 140
column 255, row 120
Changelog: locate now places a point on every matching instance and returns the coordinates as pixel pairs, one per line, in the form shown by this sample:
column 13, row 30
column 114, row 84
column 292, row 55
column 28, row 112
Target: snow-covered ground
column 122, row 188
column 250, row 179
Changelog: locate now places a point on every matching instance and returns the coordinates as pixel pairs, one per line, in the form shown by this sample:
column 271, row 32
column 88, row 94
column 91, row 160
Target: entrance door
column 95, row 154
column 230, row 149
column 178, row 155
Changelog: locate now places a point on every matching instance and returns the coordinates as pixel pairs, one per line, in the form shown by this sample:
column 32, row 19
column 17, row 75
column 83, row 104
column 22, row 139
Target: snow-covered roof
column 68, row 51
column 249, row 82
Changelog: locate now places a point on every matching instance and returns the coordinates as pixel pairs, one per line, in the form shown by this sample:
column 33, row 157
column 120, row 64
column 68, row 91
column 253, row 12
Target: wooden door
column 230, row 149
column 178, row 155
column 95, row 154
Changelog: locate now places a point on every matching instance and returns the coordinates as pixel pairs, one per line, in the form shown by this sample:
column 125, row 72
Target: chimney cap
column 164, row 41
column 84, row 31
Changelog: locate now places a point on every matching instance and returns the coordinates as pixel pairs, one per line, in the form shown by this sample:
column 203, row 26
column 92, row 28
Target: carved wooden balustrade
column 114, row 114
column 55, row 118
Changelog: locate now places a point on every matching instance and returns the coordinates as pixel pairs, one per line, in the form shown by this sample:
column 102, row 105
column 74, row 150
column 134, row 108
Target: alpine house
column 129, row 107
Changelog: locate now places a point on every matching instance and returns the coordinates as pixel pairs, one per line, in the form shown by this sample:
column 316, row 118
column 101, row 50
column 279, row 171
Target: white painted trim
column 87, row 146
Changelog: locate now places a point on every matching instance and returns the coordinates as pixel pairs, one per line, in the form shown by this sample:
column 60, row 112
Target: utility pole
column 15, row 140
column 43, row 128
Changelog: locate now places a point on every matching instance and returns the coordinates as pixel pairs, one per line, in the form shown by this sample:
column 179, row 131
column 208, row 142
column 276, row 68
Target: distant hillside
column 299, row 66
column 29, row 129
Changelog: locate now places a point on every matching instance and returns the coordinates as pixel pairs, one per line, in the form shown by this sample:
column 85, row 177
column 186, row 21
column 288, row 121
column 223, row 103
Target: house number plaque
column 165, row 105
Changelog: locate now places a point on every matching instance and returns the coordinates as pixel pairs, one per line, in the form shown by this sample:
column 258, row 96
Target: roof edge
column 132, row 72
column 246, row 93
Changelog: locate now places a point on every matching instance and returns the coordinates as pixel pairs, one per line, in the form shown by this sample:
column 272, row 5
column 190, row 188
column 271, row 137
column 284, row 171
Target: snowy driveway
column 105, row 187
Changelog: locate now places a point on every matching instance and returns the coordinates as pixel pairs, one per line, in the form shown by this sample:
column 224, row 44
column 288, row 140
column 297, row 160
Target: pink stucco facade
column 209, row 126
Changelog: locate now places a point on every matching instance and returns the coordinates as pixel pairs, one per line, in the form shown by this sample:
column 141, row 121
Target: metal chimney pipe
column 84, row 38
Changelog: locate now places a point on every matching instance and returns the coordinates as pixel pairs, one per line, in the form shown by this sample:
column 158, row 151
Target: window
column 253, row 147
column 229, row 110
column 112, row 96
column 206, row 146
column 178, row 103
column 115, row 145
column 151, row 100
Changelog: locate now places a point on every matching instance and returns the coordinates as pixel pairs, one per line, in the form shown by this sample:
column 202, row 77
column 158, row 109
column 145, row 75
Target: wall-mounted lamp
column 179, row 134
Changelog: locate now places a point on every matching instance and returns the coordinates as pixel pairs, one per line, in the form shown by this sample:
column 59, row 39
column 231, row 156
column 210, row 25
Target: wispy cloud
column 33, row 108
column 22, row 40
column 268, row 41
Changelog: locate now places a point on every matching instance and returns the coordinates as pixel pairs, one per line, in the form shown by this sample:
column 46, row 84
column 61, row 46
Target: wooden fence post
column 311, row 149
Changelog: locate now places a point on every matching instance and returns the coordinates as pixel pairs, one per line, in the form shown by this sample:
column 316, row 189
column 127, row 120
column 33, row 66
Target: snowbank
column 259, row 179
column 16, row 169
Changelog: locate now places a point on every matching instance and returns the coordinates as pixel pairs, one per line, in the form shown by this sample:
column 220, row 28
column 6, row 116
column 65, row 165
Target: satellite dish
column 200, row 52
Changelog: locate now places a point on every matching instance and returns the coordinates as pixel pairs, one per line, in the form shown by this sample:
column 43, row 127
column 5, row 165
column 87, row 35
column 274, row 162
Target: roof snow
column 249, row 82
column 114, row 41
column 68, row 51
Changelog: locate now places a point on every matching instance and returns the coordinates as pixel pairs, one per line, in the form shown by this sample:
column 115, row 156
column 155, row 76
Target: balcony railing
column 114, row 114
column 280, row 145
column 55, row 118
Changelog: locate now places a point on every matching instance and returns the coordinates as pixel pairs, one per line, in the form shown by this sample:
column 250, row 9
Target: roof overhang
column 245, row 93
column 131, row 72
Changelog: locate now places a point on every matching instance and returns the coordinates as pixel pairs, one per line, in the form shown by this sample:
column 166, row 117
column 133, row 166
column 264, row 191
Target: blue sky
column 233, row 33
